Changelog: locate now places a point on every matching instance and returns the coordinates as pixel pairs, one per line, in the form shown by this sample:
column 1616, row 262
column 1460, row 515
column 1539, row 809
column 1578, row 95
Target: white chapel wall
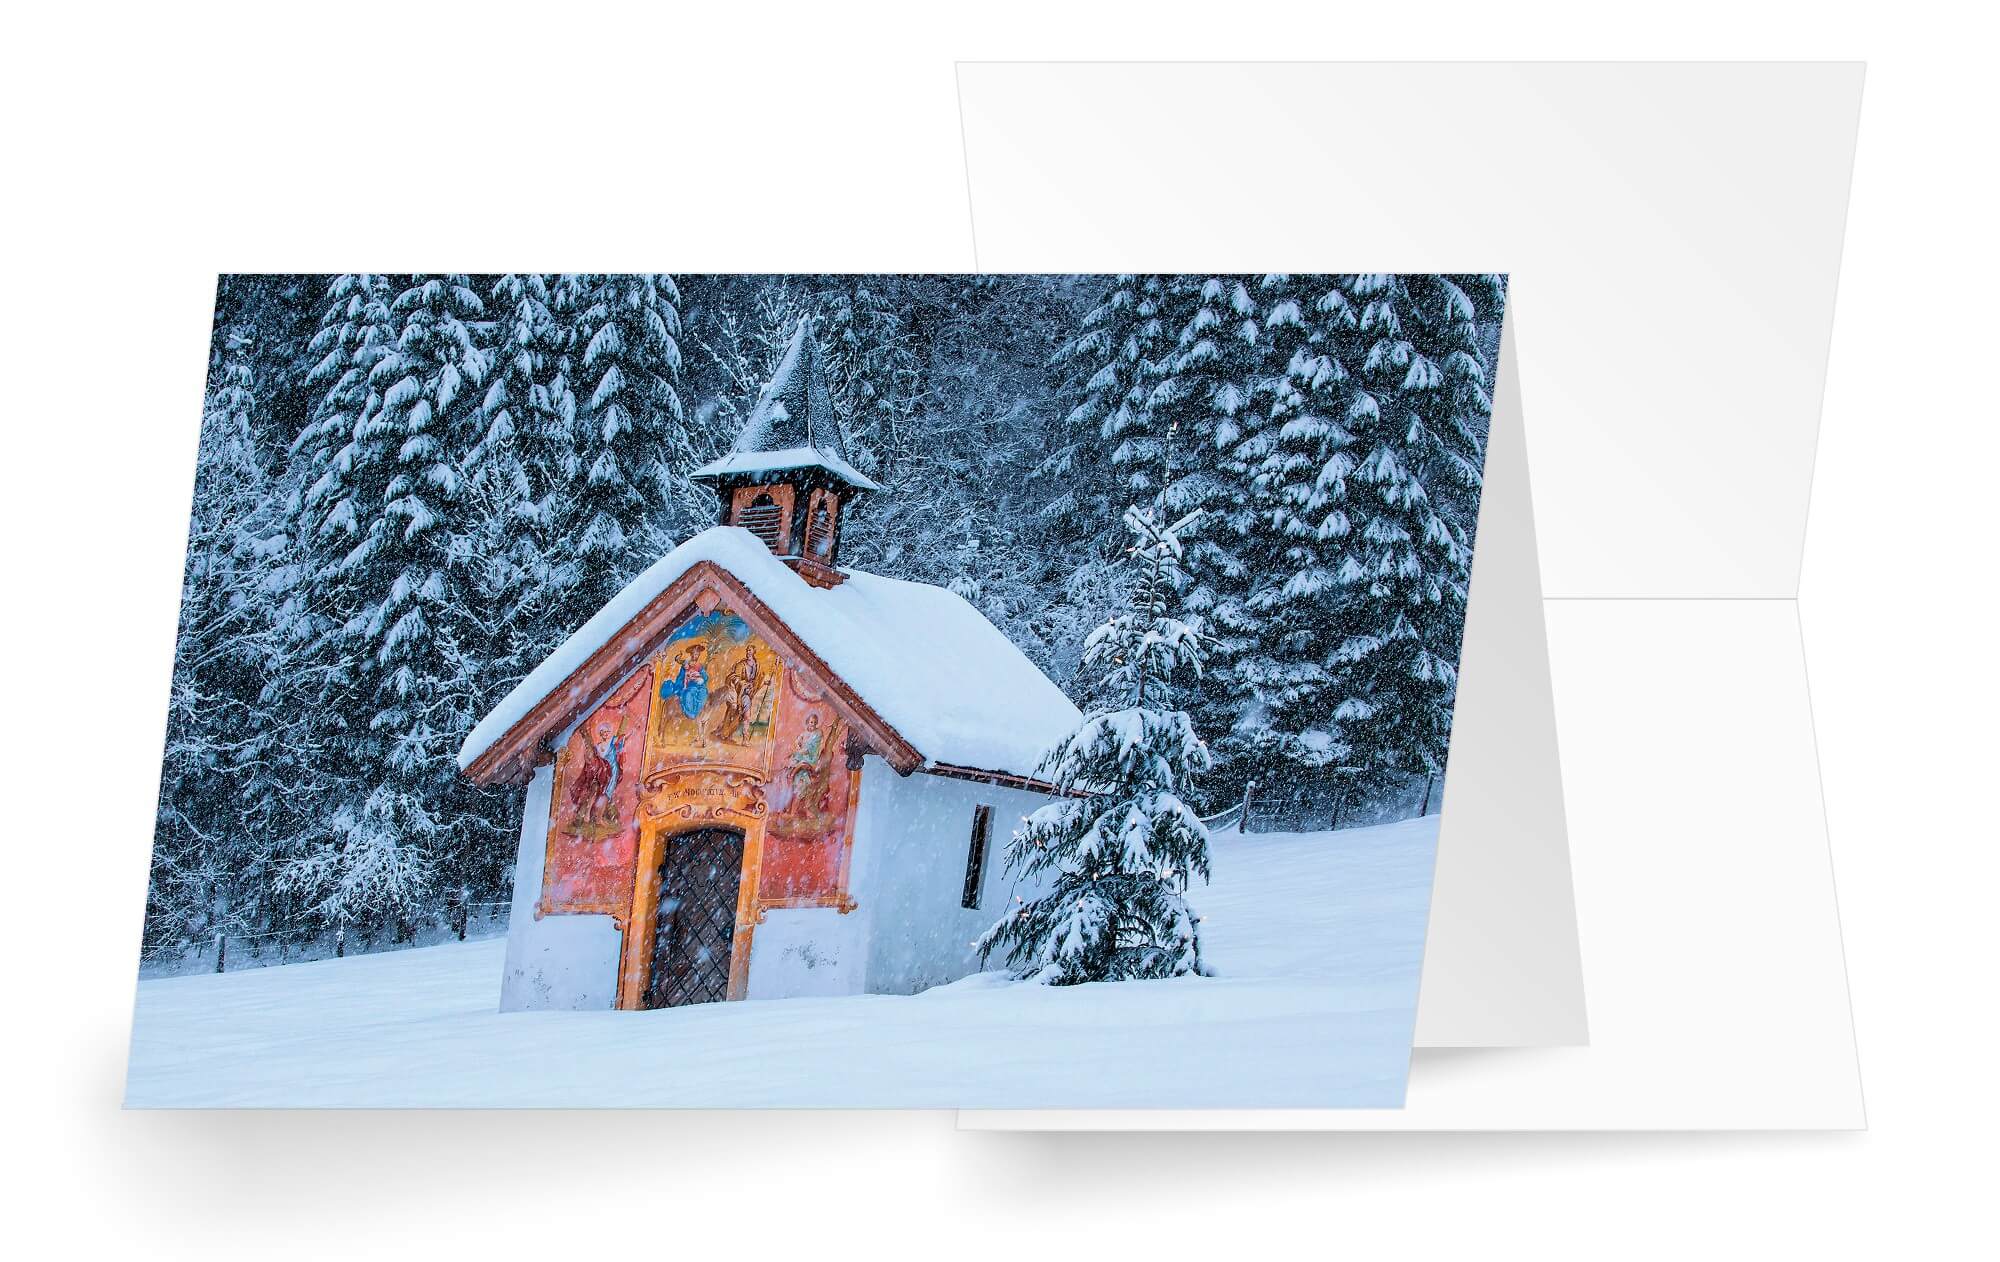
column 564, row 962
column 911, row 839
column 807, row 953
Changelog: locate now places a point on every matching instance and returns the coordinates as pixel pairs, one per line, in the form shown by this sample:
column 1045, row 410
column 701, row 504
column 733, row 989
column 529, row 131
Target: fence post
column 340, row 939
column 1243, row 816
column 221, row 946
column 1425, row 809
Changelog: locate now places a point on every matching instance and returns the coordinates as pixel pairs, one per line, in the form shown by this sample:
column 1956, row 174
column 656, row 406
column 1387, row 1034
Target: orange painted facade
column 717, row 728
column 594, row 815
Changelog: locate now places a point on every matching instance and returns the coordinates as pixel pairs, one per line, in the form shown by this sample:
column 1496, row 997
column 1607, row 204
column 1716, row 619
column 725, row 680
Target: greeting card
column 1016, row 691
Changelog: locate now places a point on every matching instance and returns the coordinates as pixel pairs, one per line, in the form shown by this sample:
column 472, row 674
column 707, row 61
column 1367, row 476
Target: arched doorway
column 700, row 878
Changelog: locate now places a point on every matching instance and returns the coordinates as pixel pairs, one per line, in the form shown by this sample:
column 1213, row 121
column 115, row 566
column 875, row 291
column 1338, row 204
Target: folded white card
column 1673, row 236
column 1501, row 967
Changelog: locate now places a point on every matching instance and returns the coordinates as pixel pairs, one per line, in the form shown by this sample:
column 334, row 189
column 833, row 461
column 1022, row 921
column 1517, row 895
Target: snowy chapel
column 757, row 774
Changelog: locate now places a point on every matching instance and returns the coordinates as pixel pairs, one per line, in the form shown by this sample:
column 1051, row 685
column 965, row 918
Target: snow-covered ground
column 1316, row 940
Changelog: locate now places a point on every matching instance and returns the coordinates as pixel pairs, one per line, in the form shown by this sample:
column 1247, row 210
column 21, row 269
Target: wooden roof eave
column 1005, row 779
column 514, row 755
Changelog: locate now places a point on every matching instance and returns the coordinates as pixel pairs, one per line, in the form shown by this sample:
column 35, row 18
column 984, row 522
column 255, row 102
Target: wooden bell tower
column 788, row 480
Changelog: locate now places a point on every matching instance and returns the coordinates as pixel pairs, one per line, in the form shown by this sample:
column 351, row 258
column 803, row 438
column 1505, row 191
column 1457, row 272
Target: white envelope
column 1673, row 235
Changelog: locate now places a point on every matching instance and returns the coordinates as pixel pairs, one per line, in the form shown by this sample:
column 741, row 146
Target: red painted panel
column 594, row 819
column 806, row 832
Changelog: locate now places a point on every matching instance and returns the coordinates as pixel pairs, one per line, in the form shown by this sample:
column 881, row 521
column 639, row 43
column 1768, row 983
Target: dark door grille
column 701, row 874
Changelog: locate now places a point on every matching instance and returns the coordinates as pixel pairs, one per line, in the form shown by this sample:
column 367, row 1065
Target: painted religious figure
column 806, row 833
column 741, row 687
column 593, row 784
column 594, row 820
column 717, row 684
column 689, row 686
column 803, row 800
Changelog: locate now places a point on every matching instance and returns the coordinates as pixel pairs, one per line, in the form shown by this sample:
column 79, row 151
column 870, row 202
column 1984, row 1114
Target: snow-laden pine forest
column 410, row 488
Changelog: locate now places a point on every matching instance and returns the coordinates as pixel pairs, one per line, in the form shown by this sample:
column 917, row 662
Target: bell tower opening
column 764, row 511
column 788, row 480
column 823, row 525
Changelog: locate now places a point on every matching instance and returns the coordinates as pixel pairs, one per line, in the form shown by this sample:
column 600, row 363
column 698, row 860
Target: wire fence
column 1318, row 808
column 214, row 952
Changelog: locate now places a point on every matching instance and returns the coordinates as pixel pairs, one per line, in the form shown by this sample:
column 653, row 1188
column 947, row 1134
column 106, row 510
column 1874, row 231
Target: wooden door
column 701, row 873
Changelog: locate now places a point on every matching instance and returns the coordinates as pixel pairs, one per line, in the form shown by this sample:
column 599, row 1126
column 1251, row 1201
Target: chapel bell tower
column 788, row 480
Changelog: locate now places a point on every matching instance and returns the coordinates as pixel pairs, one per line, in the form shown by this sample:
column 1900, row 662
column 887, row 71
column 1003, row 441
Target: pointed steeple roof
column 793, row 425
column 795, row 408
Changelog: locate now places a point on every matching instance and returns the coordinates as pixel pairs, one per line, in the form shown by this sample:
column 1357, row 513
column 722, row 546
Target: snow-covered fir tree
column 1130, row 346
column 1452, row 323
column 398, row 688
column 1403, row 583
column 1122, row 845
column 874, row 361
column 1352, row 683
column 1108, row 453
column 1182, row 405
column 235, row 777
column 1208, row 411
column 523, row 467
column 529, row 409
column 198, row 849
column 1287, row 665
column 633, row 440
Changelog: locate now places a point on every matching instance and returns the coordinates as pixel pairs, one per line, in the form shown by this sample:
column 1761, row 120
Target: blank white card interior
column 1705, row 924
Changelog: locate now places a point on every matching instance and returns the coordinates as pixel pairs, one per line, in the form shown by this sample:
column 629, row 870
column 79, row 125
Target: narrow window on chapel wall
column 975, row 857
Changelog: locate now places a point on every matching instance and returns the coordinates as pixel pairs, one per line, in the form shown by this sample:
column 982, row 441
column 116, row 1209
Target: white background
column 146, row 151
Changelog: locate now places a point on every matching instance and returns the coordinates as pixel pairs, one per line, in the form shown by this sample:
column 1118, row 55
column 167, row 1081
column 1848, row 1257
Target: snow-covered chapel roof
column 927, row 663
column 792, row 425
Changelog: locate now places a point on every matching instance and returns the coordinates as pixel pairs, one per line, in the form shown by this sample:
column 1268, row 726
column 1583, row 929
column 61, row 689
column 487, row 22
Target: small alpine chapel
column 756, row 773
